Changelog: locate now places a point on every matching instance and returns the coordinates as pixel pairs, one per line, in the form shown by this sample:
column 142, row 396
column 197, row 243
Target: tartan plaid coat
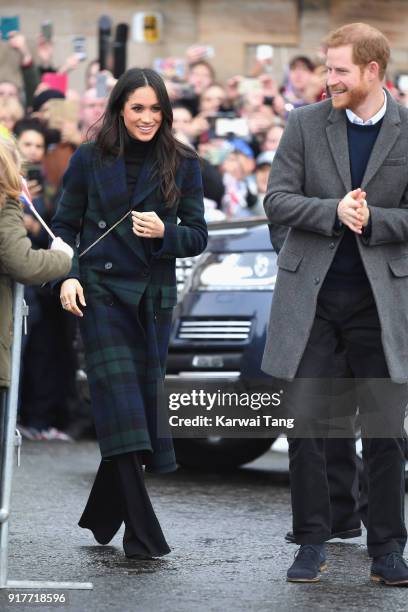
column 130, row 290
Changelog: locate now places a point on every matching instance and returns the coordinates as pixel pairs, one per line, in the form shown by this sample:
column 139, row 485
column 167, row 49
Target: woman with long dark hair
column 122, row 194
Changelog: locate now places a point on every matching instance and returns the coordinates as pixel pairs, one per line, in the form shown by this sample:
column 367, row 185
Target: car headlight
column 235, row 272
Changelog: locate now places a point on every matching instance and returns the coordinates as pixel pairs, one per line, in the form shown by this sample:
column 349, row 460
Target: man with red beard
column 339, row 181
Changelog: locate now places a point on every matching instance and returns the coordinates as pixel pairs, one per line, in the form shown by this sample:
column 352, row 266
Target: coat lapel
column 337, row 136
column 110, row 179
column 112, row 187
column 389, row 132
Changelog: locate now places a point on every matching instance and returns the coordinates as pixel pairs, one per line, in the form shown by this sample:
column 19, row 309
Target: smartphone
column 208, row 52
column 47, row 30
column 247, row 86
column 101, row 85
column 79, row 46
column 201, row 52
column 170, row 67
column 9, row 24
column 34, row 173
column 237, row 126
column 264, row 52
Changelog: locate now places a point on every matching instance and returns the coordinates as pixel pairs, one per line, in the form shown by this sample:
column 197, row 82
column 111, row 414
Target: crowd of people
column 235, row 127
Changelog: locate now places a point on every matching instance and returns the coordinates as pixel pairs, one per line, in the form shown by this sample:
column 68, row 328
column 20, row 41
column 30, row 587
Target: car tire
column 219, row 454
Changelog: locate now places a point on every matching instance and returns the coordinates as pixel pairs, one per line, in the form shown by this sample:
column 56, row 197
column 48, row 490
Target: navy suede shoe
column 391, row 569
column 310, row 559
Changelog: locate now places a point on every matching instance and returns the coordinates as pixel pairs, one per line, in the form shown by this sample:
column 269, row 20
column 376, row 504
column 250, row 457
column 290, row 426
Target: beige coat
column 19, row 262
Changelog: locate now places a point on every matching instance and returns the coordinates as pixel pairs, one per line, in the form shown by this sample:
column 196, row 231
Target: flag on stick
column 25, row 198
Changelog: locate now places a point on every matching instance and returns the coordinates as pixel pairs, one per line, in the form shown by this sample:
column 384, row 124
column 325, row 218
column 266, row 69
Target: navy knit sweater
column 347, row 270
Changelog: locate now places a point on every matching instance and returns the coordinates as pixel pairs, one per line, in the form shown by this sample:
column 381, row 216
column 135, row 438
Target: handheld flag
column 25, row 198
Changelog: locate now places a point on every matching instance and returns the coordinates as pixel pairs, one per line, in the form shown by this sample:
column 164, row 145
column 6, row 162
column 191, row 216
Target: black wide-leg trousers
column 347, row 323
column 119, row 495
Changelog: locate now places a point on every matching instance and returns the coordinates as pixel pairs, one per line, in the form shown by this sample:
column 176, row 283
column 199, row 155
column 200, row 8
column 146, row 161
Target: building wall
column 229, row 26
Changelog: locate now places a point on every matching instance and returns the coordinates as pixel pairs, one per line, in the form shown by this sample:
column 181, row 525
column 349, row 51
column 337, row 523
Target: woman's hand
column 147, row 225
column 17, row 41
column 71, row 289
column 232, row 87
column 35, row 189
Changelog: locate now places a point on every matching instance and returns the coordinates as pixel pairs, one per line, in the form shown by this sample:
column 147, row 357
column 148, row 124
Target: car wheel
column 216, row 453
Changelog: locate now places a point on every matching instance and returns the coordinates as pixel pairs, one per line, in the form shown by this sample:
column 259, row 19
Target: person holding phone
column 30, row 137
column 123, row 194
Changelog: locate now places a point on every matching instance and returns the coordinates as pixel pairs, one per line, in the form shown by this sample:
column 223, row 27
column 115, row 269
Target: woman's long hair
column 10, row 168
column 111, row 137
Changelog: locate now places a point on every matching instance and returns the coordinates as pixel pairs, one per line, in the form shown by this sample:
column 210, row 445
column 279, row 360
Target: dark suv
column 219, row 330
column 220, row 327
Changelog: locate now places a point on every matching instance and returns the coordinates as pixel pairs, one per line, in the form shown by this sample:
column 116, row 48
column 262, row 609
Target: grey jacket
column 309, row 176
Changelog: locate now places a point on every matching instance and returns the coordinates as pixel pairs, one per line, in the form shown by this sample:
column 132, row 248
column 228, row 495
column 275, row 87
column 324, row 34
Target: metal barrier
column 12, row 438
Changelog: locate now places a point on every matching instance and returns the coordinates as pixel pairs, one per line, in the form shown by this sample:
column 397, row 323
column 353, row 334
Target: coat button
column 102, row 224
column 332, row 245
column 316, row 280
column 108, row 265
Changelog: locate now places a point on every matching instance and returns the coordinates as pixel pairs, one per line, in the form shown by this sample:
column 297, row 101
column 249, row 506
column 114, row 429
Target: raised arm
column 17, row 257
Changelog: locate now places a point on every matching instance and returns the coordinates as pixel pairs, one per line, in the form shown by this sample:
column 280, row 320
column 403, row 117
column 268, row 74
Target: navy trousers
column 347, row 322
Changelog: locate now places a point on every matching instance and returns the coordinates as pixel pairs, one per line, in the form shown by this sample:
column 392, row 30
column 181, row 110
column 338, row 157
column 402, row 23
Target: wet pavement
column 226, row 534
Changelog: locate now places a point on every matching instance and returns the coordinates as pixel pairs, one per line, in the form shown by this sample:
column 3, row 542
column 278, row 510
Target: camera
column 226, row 124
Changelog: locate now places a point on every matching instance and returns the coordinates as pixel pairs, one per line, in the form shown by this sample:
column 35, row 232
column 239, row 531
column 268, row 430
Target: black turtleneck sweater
column 136, row 152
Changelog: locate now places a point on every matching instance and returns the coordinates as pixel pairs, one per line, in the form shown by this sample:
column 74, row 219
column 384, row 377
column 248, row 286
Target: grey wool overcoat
column 309, row 176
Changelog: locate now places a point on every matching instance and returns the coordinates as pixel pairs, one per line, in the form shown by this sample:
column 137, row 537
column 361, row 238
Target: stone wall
column 231, row 27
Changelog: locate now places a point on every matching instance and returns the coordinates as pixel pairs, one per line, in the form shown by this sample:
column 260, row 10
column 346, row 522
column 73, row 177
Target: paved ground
column 226, row 532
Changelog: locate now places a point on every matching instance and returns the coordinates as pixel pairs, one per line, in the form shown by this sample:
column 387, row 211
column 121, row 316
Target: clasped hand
column 147, row 225
column 353, row 211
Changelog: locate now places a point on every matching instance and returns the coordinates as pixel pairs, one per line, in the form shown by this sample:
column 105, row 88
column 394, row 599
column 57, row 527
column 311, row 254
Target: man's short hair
column 368, row 44
column 301, row 60
column 202, row 63
column 180, row 104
